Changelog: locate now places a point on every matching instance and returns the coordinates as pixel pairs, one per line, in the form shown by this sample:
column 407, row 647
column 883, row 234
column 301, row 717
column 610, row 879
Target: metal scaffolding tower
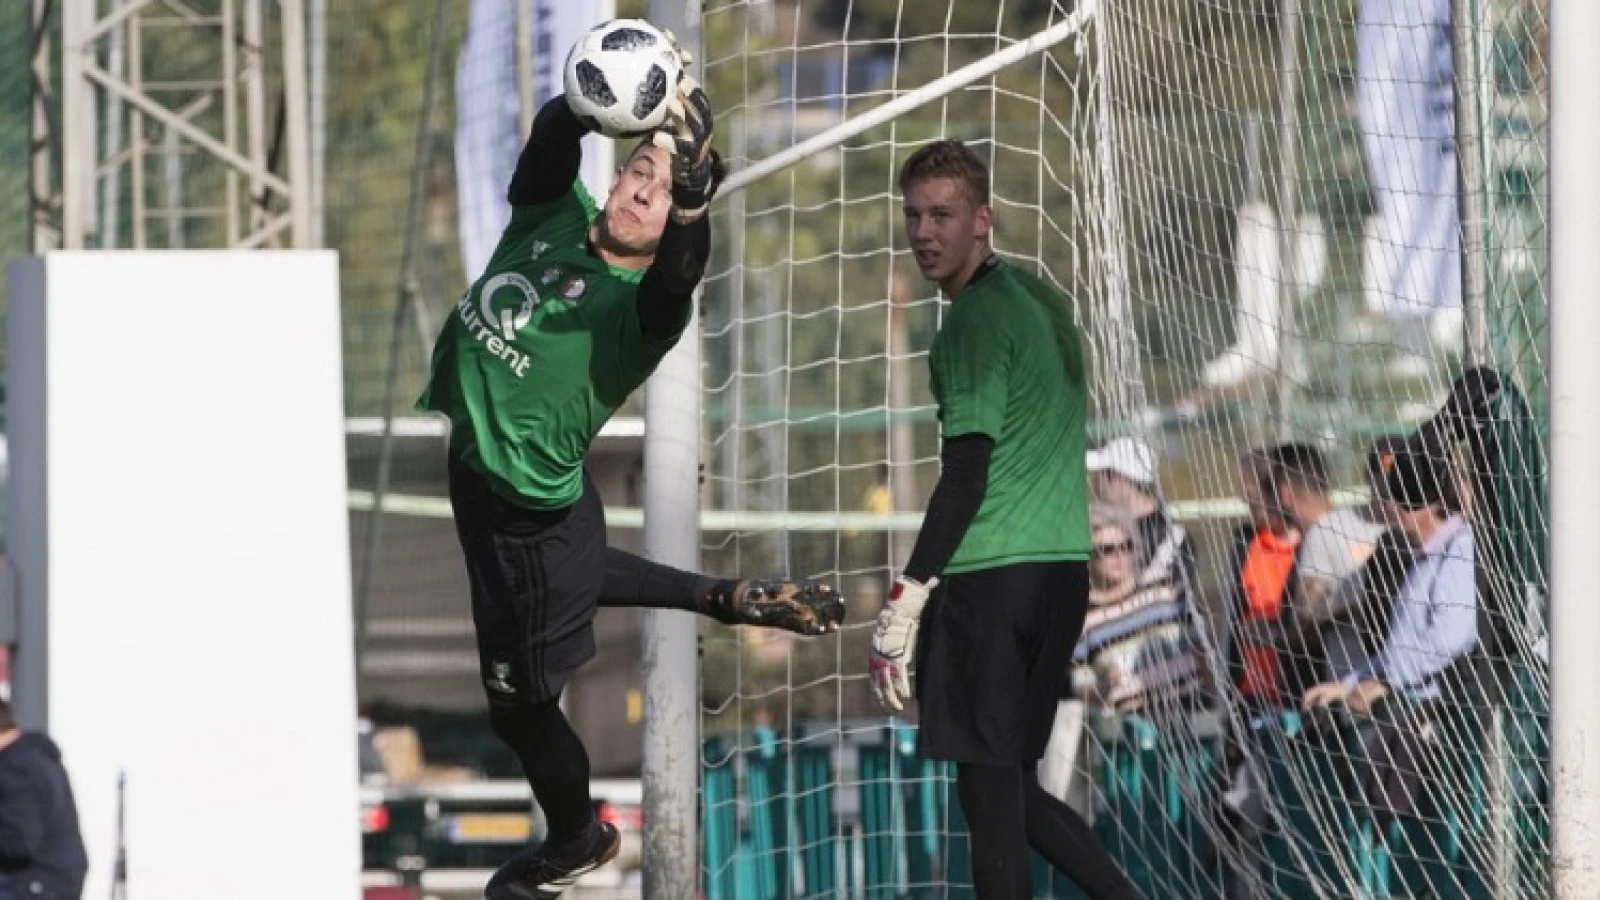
column 179, row 123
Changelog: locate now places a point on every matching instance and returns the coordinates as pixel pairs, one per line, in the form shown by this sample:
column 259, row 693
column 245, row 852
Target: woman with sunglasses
column 1137, row 649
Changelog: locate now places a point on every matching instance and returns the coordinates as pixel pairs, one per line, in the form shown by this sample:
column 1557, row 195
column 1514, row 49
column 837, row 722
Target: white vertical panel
column 178, row 519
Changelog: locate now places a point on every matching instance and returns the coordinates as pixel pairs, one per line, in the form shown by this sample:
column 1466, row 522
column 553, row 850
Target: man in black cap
column 1434, row 618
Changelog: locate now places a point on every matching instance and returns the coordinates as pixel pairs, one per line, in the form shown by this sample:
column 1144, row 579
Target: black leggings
column 553, row 757
column 554, row 761
column 1007, row 811
column 636, row 582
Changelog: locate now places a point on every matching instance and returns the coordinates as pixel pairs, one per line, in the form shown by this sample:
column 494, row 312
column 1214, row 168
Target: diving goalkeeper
column 998, row 583
column 576, row 308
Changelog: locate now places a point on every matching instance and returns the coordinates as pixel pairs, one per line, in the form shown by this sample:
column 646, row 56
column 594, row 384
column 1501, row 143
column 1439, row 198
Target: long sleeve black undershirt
column 667, row 291
column 547, row 168
column 963, row 480
column 549, row 162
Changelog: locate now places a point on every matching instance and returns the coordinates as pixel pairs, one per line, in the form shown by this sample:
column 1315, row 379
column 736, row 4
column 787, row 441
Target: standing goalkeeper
column 998, row 580
column 575, row 310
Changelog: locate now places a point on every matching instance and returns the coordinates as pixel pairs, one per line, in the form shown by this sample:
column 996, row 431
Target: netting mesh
column 1139, row 165
column 1152, row 166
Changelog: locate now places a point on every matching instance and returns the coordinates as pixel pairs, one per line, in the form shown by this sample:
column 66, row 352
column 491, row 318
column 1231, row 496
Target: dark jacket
column 41, row 850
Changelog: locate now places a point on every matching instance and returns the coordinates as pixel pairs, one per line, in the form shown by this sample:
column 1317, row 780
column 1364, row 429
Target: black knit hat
column 1410, row 474
column 1377, row 470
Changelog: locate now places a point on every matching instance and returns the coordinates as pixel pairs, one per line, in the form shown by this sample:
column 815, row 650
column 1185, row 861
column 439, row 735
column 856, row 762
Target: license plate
column 491, row 828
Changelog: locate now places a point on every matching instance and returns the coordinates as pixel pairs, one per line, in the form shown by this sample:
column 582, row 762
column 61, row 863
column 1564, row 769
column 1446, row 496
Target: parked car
column 448, row 838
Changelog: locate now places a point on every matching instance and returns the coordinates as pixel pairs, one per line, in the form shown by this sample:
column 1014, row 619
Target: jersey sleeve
column 970, row 370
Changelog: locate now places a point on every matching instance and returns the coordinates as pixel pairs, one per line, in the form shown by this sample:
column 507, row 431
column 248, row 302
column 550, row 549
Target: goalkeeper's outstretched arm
column 549, row 162
column 667, row 290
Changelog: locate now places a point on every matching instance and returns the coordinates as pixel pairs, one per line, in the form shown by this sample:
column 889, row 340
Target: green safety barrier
column 872, row 819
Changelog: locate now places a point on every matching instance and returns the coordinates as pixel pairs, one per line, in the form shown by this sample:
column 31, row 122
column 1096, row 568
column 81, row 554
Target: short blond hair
column 947, row 158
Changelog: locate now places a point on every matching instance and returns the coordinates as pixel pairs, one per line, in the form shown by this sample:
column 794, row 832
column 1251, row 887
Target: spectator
column 1334, row 544
column 41, row 851
column 1435, row 616
column 1138, row 649
column 1360, row 612
column 1433, row 624
column 1262, row 566
column 1361, row 621
column 1262, row 563
column 1123, row 474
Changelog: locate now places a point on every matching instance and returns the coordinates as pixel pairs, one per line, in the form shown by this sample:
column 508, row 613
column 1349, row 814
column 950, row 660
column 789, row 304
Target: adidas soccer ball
column 620, row 76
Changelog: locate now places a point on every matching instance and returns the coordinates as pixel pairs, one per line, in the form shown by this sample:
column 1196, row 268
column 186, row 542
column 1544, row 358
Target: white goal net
column 1287, row 230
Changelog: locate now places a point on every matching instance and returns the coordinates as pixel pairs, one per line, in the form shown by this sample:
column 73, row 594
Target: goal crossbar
column 933, row 90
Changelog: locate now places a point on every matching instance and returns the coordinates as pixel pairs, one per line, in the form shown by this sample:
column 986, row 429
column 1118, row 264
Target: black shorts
column 536, row 581
column 992, row 660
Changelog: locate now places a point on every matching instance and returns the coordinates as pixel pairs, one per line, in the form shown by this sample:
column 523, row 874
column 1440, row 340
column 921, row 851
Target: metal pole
column 1574, row 433
column 172, row 171
column 111, row 188
column 294, row 90
column 232, row 212
column 733, row 399
column 77, row 143
column 406, row 299
column 43, row 226
column 1469, row 67
column 522, row 15
column 317, row 112
column 1471, row 74
column 255, row 110
column 671, row 769
column 1287, row 205
column 137, row 204
column 89, row 41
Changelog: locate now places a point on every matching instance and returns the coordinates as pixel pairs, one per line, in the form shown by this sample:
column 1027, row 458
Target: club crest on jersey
column 499, row 679
column 572, row 288
column 510, row 320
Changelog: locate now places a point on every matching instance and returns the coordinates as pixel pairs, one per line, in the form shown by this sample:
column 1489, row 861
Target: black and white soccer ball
column 620, row 77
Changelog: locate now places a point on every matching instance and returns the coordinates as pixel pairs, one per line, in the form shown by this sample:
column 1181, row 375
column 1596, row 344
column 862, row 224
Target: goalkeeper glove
column 894, row 643
column 697, row 169
column 684, row 56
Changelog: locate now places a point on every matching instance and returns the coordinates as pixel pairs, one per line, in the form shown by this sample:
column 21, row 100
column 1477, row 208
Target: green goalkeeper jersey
column 1008, row 364
column 539, row 353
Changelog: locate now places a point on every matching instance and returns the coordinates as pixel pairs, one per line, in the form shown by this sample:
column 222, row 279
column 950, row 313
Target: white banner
column 488, row 135
column 1407, row 113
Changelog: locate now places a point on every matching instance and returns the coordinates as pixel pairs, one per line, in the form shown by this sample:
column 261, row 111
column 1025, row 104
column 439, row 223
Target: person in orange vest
column 1262, row 565
column 1263, row 560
